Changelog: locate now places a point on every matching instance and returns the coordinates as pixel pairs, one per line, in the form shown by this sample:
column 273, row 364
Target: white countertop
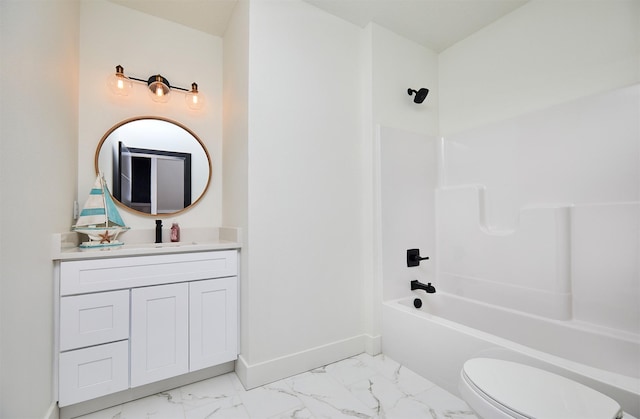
column 139, row 243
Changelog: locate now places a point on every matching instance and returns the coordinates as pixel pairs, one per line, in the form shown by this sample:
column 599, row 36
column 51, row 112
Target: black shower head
column 420, row 94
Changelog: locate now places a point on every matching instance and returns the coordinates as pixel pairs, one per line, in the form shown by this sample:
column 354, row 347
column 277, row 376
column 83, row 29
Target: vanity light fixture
column 159, row 88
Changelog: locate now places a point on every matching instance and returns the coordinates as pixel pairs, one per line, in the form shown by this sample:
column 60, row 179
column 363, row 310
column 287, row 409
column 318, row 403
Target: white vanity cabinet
column 129, row 321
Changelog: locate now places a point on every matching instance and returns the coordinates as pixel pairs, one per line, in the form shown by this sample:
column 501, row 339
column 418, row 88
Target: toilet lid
column 535, row 393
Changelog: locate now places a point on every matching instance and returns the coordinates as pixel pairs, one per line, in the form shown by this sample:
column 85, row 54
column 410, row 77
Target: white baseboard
column 373, row 345
column 261, row 373
column 52, row 412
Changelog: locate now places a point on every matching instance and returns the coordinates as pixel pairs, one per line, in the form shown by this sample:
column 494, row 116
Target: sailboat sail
column 113, row 216
column 99, row 218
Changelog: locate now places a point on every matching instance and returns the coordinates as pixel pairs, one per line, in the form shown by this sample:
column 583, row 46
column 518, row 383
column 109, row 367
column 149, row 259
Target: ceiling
column 435, row 24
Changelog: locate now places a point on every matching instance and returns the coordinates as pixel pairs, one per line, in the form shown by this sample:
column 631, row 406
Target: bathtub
column 434, row 341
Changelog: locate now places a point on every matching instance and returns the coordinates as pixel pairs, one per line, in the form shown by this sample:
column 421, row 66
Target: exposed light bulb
column 120, row 84
column 159, row 88
column 194, row 99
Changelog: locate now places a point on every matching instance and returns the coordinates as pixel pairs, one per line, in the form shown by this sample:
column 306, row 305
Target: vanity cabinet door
column 213, row 325
column 159, row 332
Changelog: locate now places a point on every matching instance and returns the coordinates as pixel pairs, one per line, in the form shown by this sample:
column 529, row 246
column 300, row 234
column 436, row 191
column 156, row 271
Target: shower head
column 420, row 94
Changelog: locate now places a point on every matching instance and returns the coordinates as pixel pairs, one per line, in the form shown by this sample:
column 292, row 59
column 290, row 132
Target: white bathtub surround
column 606, row 259
column 526, row 268
column 541, row 212
column 360, row 387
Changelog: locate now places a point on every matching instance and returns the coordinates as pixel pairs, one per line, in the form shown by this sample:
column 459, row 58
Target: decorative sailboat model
column 99, row 218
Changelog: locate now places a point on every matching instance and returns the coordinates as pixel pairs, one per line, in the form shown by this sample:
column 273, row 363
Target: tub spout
column 417, row 285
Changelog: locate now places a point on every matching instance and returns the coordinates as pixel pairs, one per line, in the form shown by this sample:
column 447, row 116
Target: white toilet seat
column 483, row 405
column 502, row 389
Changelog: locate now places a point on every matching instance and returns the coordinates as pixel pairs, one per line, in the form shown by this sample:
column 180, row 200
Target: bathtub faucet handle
column 413, row 257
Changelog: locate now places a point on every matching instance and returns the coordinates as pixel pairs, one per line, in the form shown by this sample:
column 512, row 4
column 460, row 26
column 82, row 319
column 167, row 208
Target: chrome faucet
column 417, row 285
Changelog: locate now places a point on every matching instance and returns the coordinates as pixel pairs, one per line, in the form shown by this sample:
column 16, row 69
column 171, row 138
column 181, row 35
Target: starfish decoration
column 105, row 237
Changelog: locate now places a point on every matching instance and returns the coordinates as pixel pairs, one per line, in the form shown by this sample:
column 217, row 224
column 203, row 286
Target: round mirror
column 153, row 165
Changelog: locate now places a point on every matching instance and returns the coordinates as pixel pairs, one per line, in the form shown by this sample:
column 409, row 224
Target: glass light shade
column 194, row 99
column 120, row 84
column 159, row 88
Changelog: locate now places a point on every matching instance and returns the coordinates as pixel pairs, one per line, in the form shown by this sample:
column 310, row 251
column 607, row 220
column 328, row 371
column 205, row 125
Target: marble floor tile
column 298, row 413
column 411, row 383
column 359, row 387
column 271, row 400
column 109, row 413
column 217, row 391
column 382, row 364
column 350, row 370
column 165, row 405
column 444, row 403
column 230, row 407
column 325, row 397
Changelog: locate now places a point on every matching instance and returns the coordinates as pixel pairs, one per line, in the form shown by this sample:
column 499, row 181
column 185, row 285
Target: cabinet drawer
column 82, row 276
column 93, row 372
column 92, row 319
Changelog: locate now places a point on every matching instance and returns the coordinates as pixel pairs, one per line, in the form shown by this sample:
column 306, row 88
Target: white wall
column 38, row 120
column 544, row 53
column 304, row 288
column 235, row 146
column 399, row 64
column 144, row 45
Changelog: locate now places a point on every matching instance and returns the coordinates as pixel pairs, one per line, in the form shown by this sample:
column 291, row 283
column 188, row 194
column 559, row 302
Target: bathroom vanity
column 131, row 319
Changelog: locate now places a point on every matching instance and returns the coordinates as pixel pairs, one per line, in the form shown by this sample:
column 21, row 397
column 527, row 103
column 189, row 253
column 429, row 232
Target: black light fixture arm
column 180, row 88
column 153, row 78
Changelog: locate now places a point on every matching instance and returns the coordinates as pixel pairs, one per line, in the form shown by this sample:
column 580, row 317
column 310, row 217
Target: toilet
column 498, row 389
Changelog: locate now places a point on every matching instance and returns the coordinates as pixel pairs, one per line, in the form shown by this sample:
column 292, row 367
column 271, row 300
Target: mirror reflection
column 153, row 165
